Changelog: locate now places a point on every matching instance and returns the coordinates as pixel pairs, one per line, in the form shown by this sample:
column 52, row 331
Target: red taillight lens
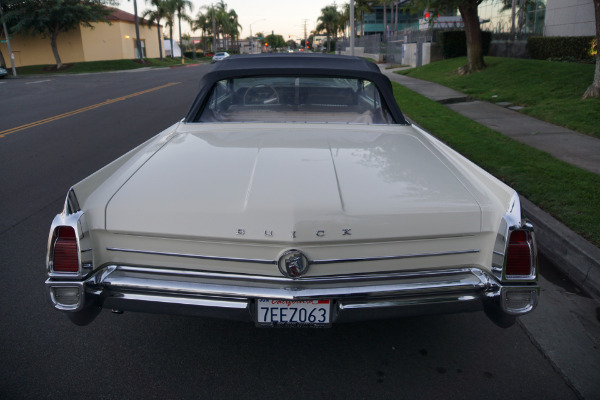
column 65, row 255
column 519, row 258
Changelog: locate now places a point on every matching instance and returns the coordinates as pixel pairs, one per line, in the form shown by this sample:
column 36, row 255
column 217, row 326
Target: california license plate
column 293, row 313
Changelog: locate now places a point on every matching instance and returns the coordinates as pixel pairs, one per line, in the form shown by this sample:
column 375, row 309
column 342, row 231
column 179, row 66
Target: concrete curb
column 572, row 254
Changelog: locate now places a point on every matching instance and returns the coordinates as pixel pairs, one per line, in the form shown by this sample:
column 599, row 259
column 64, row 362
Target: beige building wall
column 103, row 42
column 34, row 50
column 147, row 34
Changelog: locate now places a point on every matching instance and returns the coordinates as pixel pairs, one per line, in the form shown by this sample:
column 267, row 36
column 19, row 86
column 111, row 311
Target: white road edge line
column 28, row 83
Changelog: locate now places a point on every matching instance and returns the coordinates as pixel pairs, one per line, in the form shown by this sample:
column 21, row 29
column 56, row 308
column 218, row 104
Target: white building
column 167, row 48
column 570, row 18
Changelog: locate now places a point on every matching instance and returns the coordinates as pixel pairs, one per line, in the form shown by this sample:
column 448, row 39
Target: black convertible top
column 295, row 64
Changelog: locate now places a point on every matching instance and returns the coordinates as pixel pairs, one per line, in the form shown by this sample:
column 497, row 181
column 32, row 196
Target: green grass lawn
column 570, row 194
column 102, row 66
column 550, row 91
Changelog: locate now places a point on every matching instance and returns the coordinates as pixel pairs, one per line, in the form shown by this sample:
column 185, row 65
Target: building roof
column 120, row 15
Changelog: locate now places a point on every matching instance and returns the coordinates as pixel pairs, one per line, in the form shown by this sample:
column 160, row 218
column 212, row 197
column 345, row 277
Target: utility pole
column 214, row 24
column 352, row 27
column 305, row 44
column 10, row 53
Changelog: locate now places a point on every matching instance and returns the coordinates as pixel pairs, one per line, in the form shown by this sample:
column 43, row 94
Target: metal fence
column 371, row 43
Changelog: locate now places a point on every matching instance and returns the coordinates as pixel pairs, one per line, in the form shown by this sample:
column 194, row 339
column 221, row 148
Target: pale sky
column 285, row 17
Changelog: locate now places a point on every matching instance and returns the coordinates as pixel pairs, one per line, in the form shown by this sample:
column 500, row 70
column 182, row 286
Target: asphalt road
column 43, row 355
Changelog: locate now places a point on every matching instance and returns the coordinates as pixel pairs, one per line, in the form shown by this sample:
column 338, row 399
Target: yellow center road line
column 70, row 113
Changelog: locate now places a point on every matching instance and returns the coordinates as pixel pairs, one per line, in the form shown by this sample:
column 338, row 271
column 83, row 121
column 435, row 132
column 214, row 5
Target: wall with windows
column 497, row 16
column 374, row 20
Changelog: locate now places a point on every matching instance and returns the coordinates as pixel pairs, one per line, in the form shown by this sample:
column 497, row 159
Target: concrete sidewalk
column 565, row 144
column 576, row 257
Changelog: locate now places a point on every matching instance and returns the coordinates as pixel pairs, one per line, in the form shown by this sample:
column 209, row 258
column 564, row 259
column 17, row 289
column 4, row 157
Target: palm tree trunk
column 180, row 42
column 138, row 44
column 171, row 36
column 384, row 22
column 160, row 53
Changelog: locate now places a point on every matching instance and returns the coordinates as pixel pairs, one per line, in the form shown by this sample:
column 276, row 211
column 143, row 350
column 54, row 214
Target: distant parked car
column 3, row 72
column 220, row 56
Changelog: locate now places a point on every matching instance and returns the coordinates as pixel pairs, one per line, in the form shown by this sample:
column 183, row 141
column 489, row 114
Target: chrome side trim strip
column 384, row 258
column 198, row 256
column 274, row 262
column 184, row 300
column 129, row 280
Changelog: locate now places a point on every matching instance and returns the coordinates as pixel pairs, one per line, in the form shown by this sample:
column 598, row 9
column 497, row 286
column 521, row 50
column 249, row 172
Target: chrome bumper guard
column 355, row 297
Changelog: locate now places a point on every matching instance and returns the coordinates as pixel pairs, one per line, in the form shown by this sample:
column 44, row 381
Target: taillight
column 519, row 254
column 65, row 254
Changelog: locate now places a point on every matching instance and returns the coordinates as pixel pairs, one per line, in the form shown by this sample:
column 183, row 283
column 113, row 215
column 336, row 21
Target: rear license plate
column 310, row 313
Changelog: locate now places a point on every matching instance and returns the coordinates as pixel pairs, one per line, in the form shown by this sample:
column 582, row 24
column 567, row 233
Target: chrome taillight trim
column 510, row 222
column 72, row 217
column 312, row 262
column 526, row 226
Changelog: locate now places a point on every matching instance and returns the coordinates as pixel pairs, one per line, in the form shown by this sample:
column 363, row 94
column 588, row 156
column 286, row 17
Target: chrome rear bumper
column 355, row 297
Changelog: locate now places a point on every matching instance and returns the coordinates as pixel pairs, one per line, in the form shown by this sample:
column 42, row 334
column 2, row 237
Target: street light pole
column 10, row 53
column 352, row 27
column 252, row 37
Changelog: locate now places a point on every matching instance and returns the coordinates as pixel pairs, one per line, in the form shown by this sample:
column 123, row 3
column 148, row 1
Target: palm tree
column 204, row 24
column 233, row 26
column 363, row 7
column 169, row 12
column 328, row 22
column 154, row 17
column 221, row 19
column 344, row 19
column 211, row 15
column 180, row 7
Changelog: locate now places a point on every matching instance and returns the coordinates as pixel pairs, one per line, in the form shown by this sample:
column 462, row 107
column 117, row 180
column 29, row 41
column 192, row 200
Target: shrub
column 576, row 48
column 190, row 54
column 454, row 43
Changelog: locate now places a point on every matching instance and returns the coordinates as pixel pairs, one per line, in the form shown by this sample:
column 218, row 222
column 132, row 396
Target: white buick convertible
column 294, row 193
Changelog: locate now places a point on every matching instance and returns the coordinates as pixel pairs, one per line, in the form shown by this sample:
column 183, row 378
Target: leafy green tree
column 468, row 12
column 328, row 22
column 274, row 41
column 594, row 89
column 49, row 18
column 154, row 17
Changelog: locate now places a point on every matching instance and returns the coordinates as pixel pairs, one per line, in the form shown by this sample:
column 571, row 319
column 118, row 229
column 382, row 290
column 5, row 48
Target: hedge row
column 454, row 43
column 575, row 47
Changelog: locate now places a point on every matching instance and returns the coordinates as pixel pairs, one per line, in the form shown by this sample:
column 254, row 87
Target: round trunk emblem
column 293, row 264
